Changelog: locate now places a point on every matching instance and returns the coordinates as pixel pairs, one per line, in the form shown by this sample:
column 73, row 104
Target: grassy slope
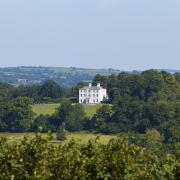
column 50, row 108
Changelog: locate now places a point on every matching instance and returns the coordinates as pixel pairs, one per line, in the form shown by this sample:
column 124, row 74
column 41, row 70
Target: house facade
column 92, row 94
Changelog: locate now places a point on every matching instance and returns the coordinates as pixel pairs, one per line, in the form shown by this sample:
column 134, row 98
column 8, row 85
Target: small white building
column 92, row 94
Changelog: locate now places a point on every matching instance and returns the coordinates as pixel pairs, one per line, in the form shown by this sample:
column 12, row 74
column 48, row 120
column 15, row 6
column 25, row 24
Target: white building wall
column 91, row 95
column 102, row 94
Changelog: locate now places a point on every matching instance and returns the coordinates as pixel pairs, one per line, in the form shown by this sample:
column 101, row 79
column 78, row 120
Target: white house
column 92, row 94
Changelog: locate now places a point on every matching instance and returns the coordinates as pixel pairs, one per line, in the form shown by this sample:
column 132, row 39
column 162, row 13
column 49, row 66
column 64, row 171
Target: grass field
column 44, row 109
column 91, row 72
column 80, row 137
column 90, row 110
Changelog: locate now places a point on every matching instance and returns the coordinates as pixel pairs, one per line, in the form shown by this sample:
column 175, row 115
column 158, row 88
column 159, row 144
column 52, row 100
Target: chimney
column 98, row 85
column 90, row 84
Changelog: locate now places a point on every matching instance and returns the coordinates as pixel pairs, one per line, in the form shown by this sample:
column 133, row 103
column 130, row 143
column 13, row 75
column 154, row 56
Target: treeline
column 49, row 91
column 16, row 113
column 141, row 102
column 38, row 158
column 150, row 85
column 17, row 116
column 150, row 100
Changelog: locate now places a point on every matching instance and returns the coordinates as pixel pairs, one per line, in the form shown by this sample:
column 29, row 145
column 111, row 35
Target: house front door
column 87, row 101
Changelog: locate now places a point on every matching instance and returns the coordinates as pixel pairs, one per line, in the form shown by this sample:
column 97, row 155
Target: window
column 97, row 95
column 94, row 100
column 89, row 95
column 84, row 95
column 93, row 95
column 81, row 95
column 97, row 100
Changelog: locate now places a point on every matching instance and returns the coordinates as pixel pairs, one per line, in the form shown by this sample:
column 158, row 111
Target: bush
column 61, row 133
column 38, row 159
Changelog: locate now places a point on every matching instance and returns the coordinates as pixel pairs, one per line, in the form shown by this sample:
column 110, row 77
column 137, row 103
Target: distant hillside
column 91, row 72
column 64, row 76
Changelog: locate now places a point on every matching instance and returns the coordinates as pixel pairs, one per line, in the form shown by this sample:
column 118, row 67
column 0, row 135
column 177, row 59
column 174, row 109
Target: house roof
column 91, row 88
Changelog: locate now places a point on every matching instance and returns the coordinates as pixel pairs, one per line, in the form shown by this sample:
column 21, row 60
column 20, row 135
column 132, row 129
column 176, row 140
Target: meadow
column 79, row 137
column 49, row 109
column 45, row 109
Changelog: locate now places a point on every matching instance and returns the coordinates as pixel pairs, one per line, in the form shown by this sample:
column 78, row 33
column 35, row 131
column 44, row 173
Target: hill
column 65, row 77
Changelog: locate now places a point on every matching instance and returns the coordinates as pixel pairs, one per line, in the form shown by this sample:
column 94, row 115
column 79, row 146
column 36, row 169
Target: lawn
column 44, row 109
column 80, row 137
column 90, row 110
column 83, row 137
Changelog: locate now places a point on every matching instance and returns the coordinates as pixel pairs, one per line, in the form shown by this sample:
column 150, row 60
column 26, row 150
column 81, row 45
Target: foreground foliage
column 38, row 159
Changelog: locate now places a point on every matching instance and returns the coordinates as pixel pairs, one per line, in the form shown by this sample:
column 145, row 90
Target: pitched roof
column 91, row 88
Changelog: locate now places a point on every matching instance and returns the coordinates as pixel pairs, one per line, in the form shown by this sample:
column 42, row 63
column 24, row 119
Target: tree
column 102, row 119
column 61, row 133
column 153, row 140
column 17, row 115
column 72, row 115
column 50, row 89
column 74, row 91
column 41, row 121
column 5, row 91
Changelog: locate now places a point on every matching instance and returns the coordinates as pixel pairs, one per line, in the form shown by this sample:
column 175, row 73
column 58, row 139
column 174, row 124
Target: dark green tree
column 17, row 115
column 61, row 133
column 72, row 115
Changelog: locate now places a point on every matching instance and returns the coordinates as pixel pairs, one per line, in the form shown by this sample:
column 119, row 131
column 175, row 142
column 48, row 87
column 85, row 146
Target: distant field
column 90, row 110
column 80, row 137
column 50, row 109
column 91, row 72
column 44, row 108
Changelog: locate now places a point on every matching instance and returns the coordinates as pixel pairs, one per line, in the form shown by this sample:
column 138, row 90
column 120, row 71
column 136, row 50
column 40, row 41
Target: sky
column 120, row 34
